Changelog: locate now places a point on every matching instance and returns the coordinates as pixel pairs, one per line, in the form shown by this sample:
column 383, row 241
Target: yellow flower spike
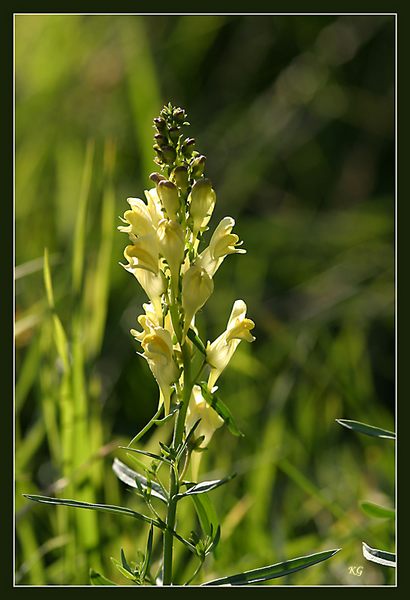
column 158, row 349
column 171, row 241
column 197, row 286
column 201, row 204
column 222, row 243
column 168, row 195
column 220, row 352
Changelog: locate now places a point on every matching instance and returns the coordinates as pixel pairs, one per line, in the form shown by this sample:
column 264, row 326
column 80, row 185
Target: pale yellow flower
column 171, row 241
column 158, row 351
column 138, row 218
column 198, row 408
column 197, row 286
column 220, row 352
column 222, row 243
column 201, row 204
column 168, row 195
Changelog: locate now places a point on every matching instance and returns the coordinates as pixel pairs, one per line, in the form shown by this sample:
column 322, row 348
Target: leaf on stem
column 99, row 507
column 367, row 429
column 221, row 408
column 387, row 559
column 205, row 510
column 195, row 339
column 145, row 453
column 274, row 571
column 137, row 481
column 205, row 486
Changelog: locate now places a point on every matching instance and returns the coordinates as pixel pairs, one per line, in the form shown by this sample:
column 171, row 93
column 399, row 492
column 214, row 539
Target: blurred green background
column 296, row 117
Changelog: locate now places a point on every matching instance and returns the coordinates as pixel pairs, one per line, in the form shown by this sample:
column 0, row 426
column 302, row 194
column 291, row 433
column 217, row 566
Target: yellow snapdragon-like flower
column 222, row 243
column 158, row 351
column 198, row 408
column 138, row 218
column 171, row 242
column 143, row 263
column 197, row 286
column 201, row 204
column 220, row 352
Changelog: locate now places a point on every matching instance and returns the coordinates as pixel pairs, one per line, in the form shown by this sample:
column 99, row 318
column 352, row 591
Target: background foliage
column 295, row 115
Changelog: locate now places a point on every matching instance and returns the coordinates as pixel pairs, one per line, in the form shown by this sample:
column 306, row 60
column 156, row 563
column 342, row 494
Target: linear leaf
column 206, row 486
column 387, row 559
column 367, row 429
column 130, row 477
column 221, row 408
column 377, row 511
column 100, row 507
column 98, row 579
column 205, row 510
column 274, row 571
column 145, row 453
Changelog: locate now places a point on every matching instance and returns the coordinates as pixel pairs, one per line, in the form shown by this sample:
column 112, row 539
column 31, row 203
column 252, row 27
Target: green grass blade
column 375, row 510
column 367, row 429
column 98, row 579
column 274, row 571
column 80, row 228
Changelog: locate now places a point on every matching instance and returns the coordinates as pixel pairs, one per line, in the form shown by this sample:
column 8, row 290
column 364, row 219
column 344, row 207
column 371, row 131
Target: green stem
column 146, row 428
column 173, row 476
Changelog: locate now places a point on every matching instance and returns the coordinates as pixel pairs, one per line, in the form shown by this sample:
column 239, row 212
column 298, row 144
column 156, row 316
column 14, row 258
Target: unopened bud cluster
column 164, row 255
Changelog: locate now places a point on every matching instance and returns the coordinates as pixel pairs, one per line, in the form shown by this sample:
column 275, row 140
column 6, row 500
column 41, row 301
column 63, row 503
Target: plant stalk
column 173, row 476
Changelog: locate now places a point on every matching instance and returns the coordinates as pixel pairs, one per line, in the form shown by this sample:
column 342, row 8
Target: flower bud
column 198, row 166
column 160, row 139
column 174, row 133
column 179, row 115
column 159, row 123
column 169, row 154
column 168, row 195
column 202, row 201
column 188, row 146
column 197, row 287
column 180, row 176
column 156, row 178
column 171, row 245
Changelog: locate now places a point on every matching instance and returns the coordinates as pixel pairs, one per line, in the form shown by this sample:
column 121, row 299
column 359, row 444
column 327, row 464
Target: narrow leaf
column 124, row 572
column 205, row 510
column 221, row 408
column 367, row 429
column 148, row 553
column 195, row 339
column 274, row 571
column 145, row 453
column 97, row 579
column 377, row 511
column 100, row 507
column 206, row 486
column 387, row 559
column 132, row 478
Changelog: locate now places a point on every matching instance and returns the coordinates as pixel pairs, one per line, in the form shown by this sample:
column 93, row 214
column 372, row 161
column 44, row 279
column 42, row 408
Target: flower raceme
column 164, row 255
